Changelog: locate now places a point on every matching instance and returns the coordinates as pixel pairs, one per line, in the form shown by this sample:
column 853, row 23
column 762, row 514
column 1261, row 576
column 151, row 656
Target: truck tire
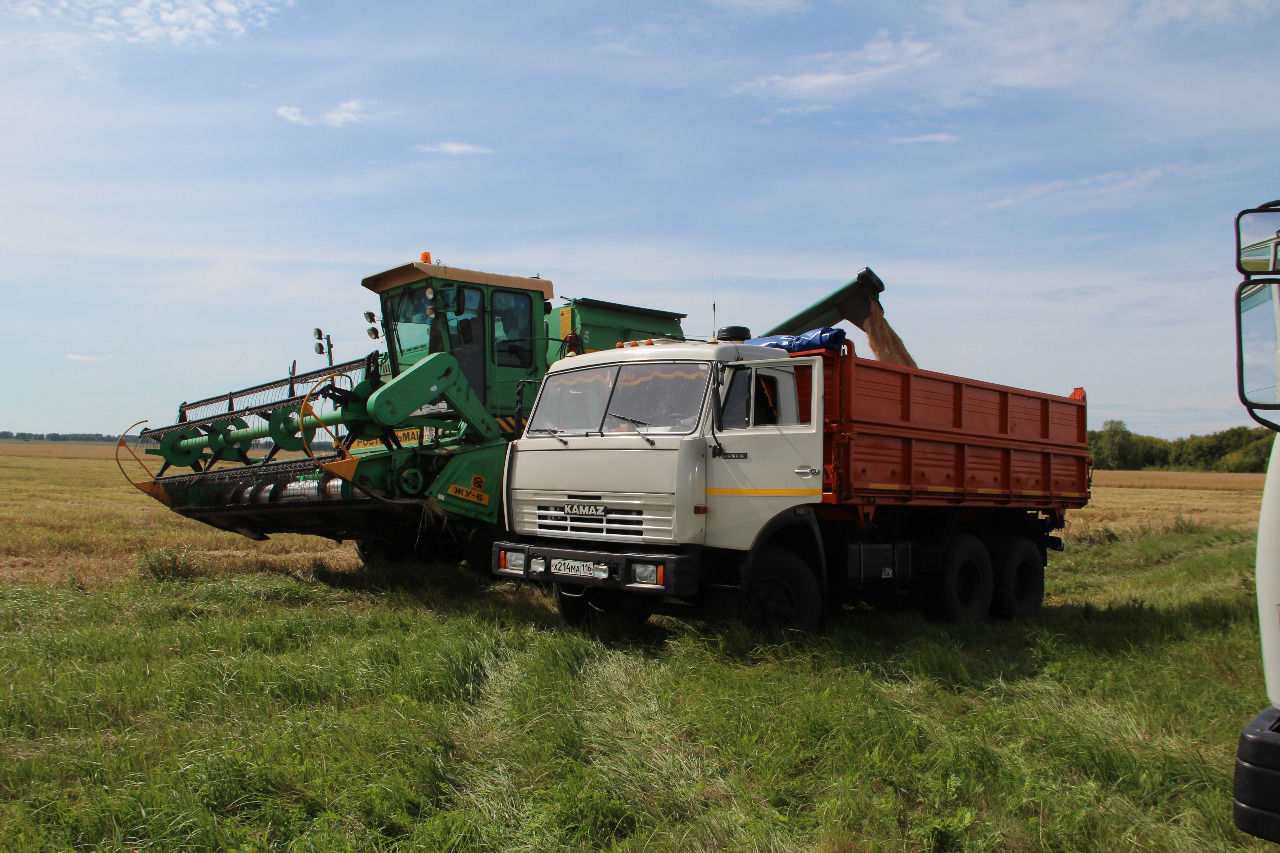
column 1019, row 579
column 782, row 593
column 581, row 607
column 572, row 605
column 961, row 590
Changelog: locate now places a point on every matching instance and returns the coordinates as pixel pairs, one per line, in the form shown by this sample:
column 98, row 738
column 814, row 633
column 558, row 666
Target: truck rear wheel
column 782, row 593
column 961, row 590
column 1019, row 579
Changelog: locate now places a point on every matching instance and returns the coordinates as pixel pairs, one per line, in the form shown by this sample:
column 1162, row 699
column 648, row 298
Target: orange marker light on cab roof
column 426, row 257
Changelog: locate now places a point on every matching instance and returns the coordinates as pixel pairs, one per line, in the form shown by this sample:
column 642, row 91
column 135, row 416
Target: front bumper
column 653, row 574
column 1256, row 798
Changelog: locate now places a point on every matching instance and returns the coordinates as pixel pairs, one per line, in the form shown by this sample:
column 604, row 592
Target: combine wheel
column 961, row 591
column 782, row 593
column 478, row 550
column 1019, row 579
column 378, row 552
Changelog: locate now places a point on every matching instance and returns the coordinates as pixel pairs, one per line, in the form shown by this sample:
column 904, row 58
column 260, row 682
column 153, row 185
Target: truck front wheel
column 782, row 593
column 583, row 607
column 1019, row 579
column 961, row 590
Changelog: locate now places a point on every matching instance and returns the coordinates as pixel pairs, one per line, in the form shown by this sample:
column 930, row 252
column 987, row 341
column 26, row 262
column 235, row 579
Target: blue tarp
column 831, row 339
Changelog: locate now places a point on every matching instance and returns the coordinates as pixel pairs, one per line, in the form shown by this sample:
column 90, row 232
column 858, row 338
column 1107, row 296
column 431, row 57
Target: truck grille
column 624, row 516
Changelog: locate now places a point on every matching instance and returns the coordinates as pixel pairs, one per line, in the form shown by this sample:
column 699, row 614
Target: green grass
column 192, row 708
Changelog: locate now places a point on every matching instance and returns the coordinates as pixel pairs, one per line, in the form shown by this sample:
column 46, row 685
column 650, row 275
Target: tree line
column 1239, row 449
column 55, row 436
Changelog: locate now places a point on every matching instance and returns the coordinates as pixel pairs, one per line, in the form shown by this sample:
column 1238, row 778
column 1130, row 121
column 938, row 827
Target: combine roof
column 409, row 273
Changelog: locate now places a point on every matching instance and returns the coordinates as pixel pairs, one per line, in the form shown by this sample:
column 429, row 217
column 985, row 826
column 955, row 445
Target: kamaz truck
column 779, row 478
column 1256, row 806
column 402, row 450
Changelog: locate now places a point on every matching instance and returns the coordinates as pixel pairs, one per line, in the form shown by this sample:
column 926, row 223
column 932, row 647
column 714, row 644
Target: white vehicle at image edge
column 1256, row 796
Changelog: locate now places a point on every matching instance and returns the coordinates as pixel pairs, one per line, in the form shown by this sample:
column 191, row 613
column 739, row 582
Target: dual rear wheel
column 1006, row 581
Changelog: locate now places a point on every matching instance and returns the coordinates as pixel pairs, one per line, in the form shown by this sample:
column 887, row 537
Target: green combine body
column 417, row 433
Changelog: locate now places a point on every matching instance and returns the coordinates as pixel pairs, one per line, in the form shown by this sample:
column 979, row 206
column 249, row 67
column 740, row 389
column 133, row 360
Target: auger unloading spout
column 859, row 303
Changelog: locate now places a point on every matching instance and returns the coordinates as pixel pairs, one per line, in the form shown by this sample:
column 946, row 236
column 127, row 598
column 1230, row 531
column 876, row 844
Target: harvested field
column 70, row 515
column 173, row 687
column 1134, row 500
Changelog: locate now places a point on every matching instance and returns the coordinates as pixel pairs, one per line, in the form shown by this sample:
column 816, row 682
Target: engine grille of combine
column 643, row 517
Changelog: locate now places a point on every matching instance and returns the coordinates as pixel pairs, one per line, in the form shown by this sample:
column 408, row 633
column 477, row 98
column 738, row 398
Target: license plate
column 576, row 568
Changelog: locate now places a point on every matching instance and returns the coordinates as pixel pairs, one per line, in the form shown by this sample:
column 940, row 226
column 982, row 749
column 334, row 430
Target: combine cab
column 413, row 438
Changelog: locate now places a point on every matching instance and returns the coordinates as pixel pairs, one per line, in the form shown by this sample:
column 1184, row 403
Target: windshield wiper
column 554, row 432
column 636, row 423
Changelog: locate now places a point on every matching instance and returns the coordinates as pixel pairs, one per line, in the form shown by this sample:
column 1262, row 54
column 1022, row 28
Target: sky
column 1047, row 189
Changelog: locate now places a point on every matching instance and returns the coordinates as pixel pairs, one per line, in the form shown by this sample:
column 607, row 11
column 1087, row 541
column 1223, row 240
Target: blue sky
column 187, row 188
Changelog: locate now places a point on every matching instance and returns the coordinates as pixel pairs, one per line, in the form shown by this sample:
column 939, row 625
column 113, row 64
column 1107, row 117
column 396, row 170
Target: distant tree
column 1111, row 446
column 1238, row 449
column 1251, row 458
column 4, row 433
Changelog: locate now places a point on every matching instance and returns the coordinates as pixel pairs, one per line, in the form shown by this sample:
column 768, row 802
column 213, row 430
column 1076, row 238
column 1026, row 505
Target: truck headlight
column 515, row 560
column 537, row 565
column 647, row 573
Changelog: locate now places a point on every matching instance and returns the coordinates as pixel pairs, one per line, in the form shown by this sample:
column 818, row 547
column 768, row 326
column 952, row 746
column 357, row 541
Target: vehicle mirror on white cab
column 1258, row 356
column 1258, row 241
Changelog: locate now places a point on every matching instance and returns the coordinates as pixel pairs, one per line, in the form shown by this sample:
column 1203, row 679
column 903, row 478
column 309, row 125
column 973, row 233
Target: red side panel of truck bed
column 899, row 435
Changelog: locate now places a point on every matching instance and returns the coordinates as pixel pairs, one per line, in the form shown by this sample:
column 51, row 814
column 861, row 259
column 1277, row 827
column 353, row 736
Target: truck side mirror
column 1258, row 241
column 1258, row 345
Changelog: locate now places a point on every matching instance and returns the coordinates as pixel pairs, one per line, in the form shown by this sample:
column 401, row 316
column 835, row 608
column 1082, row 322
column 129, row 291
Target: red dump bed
column 900, row 435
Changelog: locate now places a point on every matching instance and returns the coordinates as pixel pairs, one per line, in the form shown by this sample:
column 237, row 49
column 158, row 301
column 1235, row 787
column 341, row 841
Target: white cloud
column 452, row 148
column 793, row 112
column 347, row 112
column 843, row 75
column 960, row 53
column 175, row 21
column 938, row 138
column 76, row 357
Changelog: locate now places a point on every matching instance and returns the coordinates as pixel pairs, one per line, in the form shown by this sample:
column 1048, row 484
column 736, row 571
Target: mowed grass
column 274, row 696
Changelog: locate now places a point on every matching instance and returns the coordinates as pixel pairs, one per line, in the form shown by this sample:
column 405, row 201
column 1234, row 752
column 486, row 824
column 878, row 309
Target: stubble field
column 170, row 687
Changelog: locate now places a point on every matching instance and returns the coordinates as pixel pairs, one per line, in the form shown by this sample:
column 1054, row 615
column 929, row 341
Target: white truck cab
column 616, row 452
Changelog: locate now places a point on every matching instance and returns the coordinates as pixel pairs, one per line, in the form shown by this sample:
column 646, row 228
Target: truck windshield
column 648, row 397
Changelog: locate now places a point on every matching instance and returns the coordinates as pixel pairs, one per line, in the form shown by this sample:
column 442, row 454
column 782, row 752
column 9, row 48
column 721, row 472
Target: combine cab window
column 414, row 315
column 513, row 328
column 463, row 310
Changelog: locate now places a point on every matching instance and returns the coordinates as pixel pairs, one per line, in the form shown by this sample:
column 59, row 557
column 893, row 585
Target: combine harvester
column 416, row 433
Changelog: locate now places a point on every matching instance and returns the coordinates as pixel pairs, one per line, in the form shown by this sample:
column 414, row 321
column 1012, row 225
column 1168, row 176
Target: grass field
column 169, row 687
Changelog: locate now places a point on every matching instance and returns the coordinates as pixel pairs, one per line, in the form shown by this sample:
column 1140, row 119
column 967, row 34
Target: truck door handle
column 807, row 472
